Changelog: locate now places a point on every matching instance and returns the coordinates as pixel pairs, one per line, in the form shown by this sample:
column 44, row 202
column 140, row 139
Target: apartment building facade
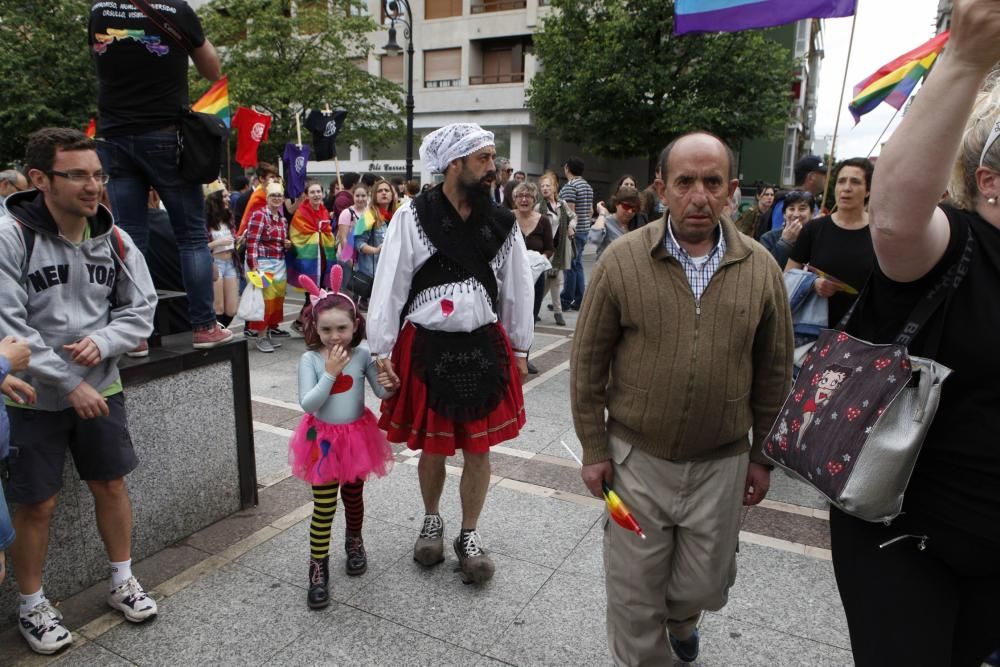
column 473, row 61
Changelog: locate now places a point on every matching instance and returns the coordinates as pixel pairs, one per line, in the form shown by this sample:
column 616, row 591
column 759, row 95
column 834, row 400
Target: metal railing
column 497, row 5
column 443, row 83
column 513, row 77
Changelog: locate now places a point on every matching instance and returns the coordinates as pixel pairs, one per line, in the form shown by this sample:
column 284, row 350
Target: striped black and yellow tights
column 324, row 508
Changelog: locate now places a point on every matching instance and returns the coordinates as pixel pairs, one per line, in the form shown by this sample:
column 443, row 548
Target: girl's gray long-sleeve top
column 317, row 387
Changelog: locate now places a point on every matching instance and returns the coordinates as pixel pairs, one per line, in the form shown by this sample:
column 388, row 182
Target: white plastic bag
column 539, row 263
column 251, row 304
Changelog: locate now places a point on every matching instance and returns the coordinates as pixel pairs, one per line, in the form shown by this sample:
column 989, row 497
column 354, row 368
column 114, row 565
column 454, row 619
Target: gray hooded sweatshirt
column 67, row 296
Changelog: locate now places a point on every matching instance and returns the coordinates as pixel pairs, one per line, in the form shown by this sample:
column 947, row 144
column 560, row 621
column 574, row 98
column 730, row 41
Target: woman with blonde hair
column 563, row 223
column 923, row 589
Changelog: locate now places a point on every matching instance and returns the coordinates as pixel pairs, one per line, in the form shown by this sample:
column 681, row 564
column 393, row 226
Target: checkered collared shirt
column 698, row 274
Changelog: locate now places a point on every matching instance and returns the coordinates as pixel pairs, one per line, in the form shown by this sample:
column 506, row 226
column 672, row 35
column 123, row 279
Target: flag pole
column 888, row 125
column 840, row 106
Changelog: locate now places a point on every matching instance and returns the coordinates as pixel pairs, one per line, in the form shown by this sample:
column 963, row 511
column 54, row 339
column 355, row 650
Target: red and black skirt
column 459, row 390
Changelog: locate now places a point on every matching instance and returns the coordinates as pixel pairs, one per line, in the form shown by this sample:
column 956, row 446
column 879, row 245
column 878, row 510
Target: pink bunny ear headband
column 316, row 294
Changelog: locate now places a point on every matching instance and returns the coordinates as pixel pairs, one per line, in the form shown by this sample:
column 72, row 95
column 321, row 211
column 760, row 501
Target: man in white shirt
column 453, row 282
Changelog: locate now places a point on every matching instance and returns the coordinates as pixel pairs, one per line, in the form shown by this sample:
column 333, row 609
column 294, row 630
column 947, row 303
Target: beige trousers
column 690, row 512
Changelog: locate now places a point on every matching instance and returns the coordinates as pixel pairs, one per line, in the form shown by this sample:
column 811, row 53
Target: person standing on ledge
column 453, row 280
column 142, row 87
column 704, row 357
column 78, row 290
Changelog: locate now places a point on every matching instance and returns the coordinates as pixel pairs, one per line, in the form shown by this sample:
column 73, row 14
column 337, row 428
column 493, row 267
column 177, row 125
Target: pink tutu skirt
column 321, row 453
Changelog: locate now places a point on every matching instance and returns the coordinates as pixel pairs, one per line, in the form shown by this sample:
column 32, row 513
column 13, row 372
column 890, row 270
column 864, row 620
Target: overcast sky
column 885, row 30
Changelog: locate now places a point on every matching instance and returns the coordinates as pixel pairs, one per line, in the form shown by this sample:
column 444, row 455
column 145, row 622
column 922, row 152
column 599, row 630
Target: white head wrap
column 451, row 142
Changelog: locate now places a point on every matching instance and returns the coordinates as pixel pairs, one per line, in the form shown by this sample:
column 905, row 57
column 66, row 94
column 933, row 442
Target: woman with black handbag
column 924, row 589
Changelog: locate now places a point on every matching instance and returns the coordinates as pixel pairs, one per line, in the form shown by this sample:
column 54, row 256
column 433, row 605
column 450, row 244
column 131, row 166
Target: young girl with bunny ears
column 338, row 444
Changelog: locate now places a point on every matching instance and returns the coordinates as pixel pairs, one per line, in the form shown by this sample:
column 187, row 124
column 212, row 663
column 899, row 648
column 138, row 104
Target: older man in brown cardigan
column 684, row 346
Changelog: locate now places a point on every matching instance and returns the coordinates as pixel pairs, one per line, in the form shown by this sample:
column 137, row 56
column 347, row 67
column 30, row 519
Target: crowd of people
column 684, row 352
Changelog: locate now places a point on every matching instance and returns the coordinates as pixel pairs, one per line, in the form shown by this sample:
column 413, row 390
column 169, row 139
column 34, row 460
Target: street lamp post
column 394, row 10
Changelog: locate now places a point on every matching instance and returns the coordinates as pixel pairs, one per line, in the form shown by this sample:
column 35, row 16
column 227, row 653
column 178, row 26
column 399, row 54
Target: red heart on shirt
column 341, row 384
column 447, row 307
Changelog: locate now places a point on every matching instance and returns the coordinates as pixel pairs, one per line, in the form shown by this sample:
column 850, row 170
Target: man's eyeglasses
column 82, row 177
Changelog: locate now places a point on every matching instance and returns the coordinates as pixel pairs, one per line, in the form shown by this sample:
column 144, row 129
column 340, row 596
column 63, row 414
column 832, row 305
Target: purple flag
column 734, row 15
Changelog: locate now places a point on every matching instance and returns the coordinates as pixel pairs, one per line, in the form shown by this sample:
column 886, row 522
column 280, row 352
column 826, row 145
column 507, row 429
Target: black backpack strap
column 28, row 235
column 165, row 24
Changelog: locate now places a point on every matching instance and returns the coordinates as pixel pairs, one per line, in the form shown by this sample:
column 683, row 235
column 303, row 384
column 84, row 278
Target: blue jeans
column 572, row 293
column 138, row 162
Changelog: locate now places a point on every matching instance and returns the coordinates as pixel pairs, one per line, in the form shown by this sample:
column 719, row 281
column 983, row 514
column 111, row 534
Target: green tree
column 282, row 59
column 615, row 80
column 46, row 70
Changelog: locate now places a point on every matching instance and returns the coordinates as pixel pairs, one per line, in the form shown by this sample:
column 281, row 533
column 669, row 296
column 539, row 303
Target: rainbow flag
column 894, row 81
column 734, row 15
column 91, row 130
column 620, row 512
column 215, row 101
column 348, row 251
column 313, row 246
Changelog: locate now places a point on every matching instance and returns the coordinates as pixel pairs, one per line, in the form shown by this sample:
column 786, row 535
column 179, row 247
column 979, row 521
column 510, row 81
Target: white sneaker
column 43, row 629
column 131, row 600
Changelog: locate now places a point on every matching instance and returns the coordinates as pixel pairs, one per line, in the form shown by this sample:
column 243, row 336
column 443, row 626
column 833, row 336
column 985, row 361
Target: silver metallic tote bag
column 856, row 418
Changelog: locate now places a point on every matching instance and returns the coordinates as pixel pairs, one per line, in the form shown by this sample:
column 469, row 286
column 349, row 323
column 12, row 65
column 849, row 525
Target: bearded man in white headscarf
column 450, row 323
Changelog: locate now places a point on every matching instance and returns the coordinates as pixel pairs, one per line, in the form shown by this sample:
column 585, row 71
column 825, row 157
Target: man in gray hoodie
column 77, row 289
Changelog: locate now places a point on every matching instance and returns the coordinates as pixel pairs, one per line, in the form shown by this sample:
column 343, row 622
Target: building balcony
column 484, row 6
column 443, row 83
column 487, row 79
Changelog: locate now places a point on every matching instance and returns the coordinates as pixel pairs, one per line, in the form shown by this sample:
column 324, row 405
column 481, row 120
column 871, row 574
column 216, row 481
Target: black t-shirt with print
column 141, row 71
column 957, row 477
column 325, row 127
column 845, row 254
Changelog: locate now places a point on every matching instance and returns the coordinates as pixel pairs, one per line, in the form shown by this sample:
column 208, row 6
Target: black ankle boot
column 319, row 583
column 357, row 559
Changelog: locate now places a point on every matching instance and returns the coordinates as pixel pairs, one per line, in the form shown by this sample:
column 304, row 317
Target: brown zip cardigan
column 680, row 380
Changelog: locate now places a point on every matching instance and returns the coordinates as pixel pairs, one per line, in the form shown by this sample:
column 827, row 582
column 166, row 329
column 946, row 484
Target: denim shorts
column 226, row 268
column 6, row 527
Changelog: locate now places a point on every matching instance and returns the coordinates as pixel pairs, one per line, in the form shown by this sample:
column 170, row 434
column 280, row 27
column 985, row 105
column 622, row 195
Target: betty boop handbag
column 856, row 418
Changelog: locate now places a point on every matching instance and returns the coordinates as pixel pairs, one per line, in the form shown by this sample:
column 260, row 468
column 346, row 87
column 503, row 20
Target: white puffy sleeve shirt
column 461, row 306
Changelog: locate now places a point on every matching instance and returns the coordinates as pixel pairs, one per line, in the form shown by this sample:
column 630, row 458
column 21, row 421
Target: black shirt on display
column 844, row 254
column 141, row 72
column 957, row 477
column 325, row 127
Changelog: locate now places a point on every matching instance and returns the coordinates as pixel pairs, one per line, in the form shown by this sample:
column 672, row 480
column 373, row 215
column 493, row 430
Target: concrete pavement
column 234, row 593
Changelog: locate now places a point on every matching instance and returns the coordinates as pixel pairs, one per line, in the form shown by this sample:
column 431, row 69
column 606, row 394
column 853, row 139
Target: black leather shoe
column 319, row 583
column 531, row 369
column 686, row 650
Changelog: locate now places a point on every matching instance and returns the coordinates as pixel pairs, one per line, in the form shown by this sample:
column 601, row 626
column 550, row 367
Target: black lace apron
column 465, row 373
